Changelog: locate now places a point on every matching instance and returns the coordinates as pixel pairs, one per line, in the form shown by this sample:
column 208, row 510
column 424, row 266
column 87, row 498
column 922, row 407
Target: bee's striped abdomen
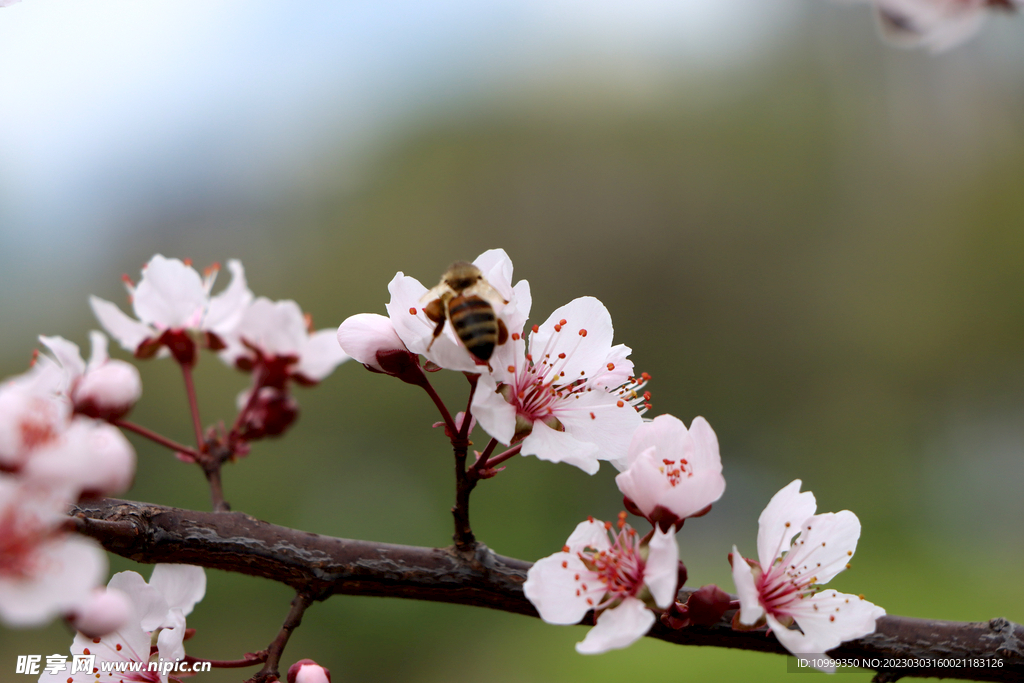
column 474, row 321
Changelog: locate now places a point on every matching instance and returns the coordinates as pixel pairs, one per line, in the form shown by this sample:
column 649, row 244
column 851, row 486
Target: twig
column 464, row 482
column 153, row 436
column 193, row 404
column 269, row 671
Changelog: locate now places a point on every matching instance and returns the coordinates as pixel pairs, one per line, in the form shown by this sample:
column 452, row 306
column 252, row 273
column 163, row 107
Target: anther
column 583, row 333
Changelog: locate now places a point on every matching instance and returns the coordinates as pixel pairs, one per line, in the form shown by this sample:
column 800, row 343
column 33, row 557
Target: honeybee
column 467, row 300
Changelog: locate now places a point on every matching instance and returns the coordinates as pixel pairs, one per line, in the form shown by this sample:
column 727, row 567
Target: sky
column 102, row 101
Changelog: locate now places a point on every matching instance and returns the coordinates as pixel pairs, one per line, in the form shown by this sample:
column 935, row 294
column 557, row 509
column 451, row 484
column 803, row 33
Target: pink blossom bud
column 365, row 335
column 308, row 671
column 104, row 612
column 109, row 392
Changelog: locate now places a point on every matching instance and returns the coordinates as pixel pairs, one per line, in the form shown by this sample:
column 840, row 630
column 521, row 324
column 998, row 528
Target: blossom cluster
column 60, row 440
column 563, row 392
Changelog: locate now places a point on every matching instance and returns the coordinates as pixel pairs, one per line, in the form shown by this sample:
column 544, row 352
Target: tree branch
column 321, row 566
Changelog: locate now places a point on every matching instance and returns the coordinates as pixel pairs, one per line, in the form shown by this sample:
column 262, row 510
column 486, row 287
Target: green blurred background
column 811, row 239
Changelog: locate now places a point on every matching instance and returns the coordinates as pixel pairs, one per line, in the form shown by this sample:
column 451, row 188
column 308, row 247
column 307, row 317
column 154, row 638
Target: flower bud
column 366, row 336
column 104, row 612
column 308, row 671
column 108, row 392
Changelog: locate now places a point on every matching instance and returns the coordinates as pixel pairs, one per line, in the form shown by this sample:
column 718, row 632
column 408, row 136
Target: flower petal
column 780, row 521
column 181, row 585
column 227, row 308
column 825, row 546
column 617, row 628
column 170, row 295
column 552, row 587
column 128, row 331
column 838, row 617
column 554, row 446
column 320, row 355
column 496, row 415
column 67, row 354
column 661, row 572
column 586, row 354
column 750, row 601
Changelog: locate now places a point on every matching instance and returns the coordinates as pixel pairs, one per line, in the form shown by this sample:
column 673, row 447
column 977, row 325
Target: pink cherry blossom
column 308, row 671
column 275, row 337
column 416, row 330
column 798, row 552
column 44, row 571
column 172, row 301
column 608, row 571
column 672, row 473
column 564, row 398
column 159, row 608
column 103, row 388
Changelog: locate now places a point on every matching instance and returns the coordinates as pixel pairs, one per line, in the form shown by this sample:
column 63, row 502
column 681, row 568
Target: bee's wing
column 485, row 291
column 440, row 291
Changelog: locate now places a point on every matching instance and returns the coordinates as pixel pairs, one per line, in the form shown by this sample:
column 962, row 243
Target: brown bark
column 321, row 566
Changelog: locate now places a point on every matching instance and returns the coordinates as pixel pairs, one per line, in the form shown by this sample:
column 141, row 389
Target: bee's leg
column 502, row 332
column 437, row 332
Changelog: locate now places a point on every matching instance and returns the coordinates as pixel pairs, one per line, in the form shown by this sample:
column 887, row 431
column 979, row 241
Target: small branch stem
column 153, row 436
column 464, row 481
column 258, row 377
column 190, row 389
column 250, row 659
column 449, row 423
column 481, row 462
column 504, row 455
column 269, row 672
column 212, row 472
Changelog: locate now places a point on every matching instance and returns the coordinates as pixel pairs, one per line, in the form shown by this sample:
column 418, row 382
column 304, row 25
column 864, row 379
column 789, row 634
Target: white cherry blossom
column 171, row 301
column 159, row 606
column 416, row 330
column 610, row 572
column 44, row 571
column 276, row 337
column 798, row 552
column 672, row 473
column 564, row 397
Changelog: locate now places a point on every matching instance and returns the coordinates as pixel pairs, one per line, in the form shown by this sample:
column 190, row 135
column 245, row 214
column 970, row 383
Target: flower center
column 675, row 470
column 619, row 568
column 20, row 535
column 541, row 390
